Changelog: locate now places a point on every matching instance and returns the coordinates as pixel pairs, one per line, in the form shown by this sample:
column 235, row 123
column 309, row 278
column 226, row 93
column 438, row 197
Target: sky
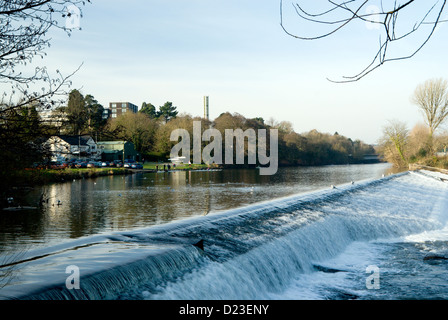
column 236, row 53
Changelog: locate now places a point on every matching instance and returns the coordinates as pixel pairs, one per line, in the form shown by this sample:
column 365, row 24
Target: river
column 89, row 206
column 333, row 232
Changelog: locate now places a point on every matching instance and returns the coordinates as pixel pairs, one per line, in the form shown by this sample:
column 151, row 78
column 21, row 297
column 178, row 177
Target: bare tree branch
column 393, row 21
column 28, row 86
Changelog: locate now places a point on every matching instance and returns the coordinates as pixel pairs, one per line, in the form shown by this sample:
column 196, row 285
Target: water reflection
column 89, row 206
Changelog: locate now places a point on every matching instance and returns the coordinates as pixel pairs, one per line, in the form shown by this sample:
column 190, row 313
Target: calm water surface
column 92, row 206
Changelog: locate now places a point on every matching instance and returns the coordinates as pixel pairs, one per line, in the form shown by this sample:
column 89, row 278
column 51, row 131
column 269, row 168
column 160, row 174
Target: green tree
column 149, row 110
column 94, row 111
column 24, row 36
column 21, row 135
column 394, row 143
column 137, row 128
column 76, row 112
column 167, row 111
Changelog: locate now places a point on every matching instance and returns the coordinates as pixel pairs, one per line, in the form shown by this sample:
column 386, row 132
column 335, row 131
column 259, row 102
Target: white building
column 65, row 148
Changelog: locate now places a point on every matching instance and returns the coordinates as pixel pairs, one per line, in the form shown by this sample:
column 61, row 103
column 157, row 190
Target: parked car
column 127, row 165
column 70, row 164
column 80, row 164
column 105, row 164
column 91, row 164
column 116, row 163
column 136, row 166
column 57, row 165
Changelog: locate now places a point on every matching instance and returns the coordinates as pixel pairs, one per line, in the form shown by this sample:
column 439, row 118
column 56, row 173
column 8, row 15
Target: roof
column 111, row 142
column 75, row 140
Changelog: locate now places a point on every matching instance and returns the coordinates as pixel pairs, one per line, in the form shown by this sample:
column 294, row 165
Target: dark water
column 91, row 206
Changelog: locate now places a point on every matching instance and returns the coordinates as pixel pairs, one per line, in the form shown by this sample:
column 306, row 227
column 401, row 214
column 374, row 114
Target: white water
column 268, row 250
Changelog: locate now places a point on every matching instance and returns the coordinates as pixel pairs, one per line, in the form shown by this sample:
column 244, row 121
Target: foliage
column 424, row 144
column 83, row 114
column 135, row 127
column 311, row 148
column 167, row 111
column 149, row 110
column 394, row 143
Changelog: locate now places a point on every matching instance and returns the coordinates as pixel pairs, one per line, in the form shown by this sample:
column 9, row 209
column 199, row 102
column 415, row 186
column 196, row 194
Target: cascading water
column 261, row 251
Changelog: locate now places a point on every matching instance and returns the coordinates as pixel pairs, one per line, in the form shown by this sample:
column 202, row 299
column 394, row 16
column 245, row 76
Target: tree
column 94, row 114
column 229, row 121
column 149, row 110
column 163, row 144
column 137, row 128
column 76, row 112
column 420, row 141
column 167, row 111
column 23, row 36
column 394, row 141
column 83, row 113
column 432, row 99
column 393, row 19
column 22, row 145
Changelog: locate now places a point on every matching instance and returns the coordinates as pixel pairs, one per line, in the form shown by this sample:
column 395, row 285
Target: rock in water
column 435, row 257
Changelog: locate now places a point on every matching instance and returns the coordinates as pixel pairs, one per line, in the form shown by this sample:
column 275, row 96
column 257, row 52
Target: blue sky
column 236, row 53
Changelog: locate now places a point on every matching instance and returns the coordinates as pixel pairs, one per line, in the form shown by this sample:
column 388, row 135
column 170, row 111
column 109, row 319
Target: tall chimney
column 206, row 114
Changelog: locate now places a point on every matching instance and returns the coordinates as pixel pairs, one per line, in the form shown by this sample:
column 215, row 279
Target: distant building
column 118, row 150
column 120, row 108
column 55, row 118
column 66, row 147
column 107, row 113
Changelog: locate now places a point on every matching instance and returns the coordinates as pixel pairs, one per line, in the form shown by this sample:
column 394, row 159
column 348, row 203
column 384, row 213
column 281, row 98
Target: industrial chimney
column 206, row 113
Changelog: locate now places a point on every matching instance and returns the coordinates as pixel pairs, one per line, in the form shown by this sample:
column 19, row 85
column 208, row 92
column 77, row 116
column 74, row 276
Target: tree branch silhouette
column 391, row 21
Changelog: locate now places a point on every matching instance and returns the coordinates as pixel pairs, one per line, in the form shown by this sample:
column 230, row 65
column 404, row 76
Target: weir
column 251, row 252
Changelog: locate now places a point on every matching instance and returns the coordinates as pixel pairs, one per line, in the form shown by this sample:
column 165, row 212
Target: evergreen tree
column 76, row 112
column 94, row 113
column 149, row 110
column 167, row 111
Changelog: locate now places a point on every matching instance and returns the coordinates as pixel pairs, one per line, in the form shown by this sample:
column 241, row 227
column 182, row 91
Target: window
column 123, row 105
column 114, row 115
column 114, row 105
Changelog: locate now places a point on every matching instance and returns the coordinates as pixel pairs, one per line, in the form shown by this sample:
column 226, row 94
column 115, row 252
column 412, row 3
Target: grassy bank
column 42, row 176
column 30, row 177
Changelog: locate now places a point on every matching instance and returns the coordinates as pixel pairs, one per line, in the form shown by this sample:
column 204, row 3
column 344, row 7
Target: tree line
column 150, row 128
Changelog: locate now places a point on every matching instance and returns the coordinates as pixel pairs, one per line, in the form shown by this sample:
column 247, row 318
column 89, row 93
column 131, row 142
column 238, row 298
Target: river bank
column 30, row 177
column 413, row 167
